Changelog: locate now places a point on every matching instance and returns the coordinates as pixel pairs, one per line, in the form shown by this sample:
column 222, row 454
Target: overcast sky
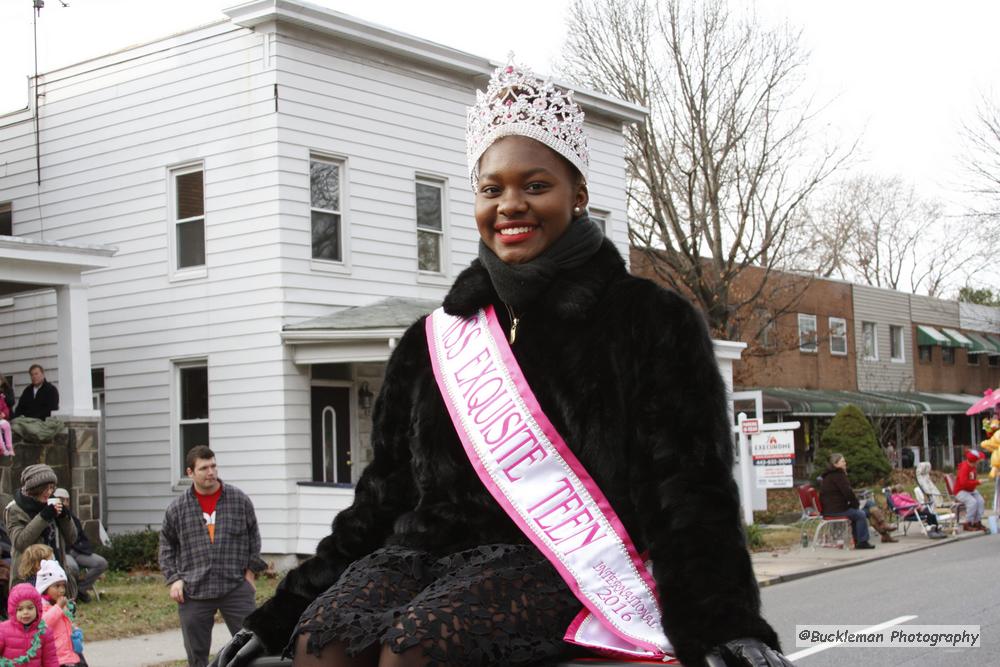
column 903, row 73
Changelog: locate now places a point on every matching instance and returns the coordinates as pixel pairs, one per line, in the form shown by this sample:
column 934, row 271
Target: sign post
column 768, row 449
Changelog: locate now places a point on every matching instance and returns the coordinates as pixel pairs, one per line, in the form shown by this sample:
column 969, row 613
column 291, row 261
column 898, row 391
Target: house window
column 926, row 353
column 869, row 341
column 838, row 335
column 325, row 195
column 993, row 362
column 189, row 216
column 6, row 219
column 973, row 358
column 896, row 343
column 600, row 218
column 192, row 406
column 948, row 356
column 807, row 333
column 430, row 224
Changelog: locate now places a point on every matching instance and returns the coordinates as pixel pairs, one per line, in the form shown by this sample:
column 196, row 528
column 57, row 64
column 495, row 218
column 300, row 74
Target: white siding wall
column 974, row 317
column 936, row 312
column 112, row 128
column 885, row 308
column 389, row 120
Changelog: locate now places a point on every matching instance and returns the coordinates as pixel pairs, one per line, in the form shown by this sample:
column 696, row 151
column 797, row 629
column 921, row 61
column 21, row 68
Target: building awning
column 958, row 338
column 928, row 335
column 826, row 403
column 932, row 404
column 982, row 345
column 993, row 339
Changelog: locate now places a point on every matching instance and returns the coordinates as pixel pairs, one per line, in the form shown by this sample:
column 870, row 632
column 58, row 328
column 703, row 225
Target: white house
column 268, row 182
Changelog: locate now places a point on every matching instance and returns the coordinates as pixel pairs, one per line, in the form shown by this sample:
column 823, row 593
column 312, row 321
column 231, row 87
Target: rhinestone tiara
column 517, row 102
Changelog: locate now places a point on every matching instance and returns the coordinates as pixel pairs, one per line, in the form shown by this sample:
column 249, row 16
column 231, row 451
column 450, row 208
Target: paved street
column 954, row 584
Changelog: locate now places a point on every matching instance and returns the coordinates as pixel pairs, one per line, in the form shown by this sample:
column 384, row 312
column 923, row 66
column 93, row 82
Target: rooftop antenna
column 38, row 5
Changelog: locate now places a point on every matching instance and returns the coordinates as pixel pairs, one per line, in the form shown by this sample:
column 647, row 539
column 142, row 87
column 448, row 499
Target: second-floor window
column 896, row 343
column 869, row 341
column 838, row 335
column 6, row 219
column 189, row 216
column 325, row 195
column 430, row 224
column 807, row 333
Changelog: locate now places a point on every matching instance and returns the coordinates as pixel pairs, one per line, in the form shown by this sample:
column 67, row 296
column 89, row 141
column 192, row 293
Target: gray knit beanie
column 36, row 476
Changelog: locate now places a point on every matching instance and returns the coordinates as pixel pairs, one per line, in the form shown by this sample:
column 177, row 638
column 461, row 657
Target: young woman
column 546, row 356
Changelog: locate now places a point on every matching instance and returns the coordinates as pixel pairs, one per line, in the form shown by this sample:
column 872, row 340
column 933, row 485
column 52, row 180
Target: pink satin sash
column 535, row 477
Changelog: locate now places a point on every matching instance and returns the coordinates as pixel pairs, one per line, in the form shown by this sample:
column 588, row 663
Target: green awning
column 993, row 339
column 826, row 403
column 928, row 335
column 982, row 345
column 958, row 337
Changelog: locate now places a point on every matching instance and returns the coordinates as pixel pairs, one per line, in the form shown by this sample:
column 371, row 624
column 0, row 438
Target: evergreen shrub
column 132, row 551
column 851, row 434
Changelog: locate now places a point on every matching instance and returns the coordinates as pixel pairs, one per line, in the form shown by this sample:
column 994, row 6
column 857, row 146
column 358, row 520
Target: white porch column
column 73, row 346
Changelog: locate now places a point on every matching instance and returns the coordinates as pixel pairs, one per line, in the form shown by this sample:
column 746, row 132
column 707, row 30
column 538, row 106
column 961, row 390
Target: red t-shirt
column 208, row 503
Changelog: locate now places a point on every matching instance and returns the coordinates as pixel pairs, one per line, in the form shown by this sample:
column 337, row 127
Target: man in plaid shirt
column 209, row 554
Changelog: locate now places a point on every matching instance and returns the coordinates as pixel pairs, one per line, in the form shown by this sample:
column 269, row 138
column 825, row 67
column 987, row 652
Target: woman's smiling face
column 525, row 198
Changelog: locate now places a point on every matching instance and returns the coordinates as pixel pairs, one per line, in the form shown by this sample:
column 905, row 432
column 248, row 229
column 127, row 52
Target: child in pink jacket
column 23, row 633
column 50, row 582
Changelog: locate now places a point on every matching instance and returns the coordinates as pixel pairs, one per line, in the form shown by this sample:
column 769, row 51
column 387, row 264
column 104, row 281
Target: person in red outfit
column 966, row 481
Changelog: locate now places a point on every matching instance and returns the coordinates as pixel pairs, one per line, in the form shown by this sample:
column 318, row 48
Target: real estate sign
column 773, row 453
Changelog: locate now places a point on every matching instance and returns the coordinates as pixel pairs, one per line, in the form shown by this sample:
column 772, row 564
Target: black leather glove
column 241, row 650
column 48, row 513
column 746, row 653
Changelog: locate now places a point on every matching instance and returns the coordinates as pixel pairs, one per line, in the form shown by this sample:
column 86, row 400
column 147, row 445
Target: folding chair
column 836, row 526
column 946, row 520
column 904, row 516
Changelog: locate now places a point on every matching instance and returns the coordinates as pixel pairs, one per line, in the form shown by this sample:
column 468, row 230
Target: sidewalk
column 797, row 562
column 146, row 650
column 770, row 567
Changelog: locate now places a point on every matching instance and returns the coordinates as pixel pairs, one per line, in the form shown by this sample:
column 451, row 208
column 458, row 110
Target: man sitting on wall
column 40, row 399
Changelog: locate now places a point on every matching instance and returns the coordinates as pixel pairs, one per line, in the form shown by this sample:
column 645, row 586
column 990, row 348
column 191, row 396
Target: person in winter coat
column 80, row 555
column 31, row 519
column 57, row 612
column 903, row 501
column 23, row 633
column 427, row 567
column 966, row 481
column 838, row 499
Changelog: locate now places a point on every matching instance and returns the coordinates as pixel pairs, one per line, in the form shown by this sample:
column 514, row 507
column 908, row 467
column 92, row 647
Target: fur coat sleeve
column 687, row 502
column 384, row 491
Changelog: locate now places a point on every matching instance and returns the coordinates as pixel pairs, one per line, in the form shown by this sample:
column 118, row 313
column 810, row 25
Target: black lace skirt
column 499, row 604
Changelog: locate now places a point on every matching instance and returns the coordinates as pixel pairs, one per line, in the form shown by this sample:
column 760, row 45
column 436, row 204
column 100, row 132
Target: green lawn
column 138, row 604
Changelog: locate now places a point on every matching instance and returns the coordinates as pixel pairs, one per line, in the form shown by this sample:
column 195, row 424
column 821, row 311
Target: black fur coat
column 626, row 372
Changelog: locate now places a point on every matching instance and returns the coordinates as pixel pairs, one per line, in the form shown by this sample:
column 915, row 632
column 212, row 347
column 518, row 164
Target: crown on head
column 517, row 102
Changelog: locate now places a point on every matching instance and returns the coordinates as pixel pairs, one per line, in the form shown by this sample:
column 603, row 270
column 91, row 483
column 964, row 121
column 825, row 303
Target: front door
column 331, row 434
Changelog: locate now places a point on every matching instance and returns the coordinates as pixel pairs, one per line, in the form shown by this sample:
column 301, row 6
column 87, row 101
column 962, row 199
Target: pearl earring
column 576, row 209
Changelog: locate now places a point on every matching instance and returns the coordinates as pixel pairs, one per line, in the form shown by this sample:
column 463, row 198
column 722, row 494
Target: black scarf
column 32, row 507
column 520, row 284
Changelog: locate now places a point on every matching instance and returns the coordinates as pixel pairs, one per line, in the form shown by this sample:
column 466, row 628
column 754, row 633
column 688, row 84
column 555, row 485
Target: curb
column 782, row 578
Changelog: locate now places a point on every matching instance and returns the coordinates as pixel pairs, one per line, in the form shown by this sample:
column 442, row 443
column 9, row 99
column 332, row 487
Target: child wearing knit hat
column 24, row 637
column 57, row 610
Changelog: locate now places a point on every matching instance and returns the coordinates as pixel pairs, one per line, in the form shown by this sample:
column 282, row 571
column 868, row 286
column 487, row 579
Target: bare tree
column 719, row 170
column 876, row 230
column 982, row 159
